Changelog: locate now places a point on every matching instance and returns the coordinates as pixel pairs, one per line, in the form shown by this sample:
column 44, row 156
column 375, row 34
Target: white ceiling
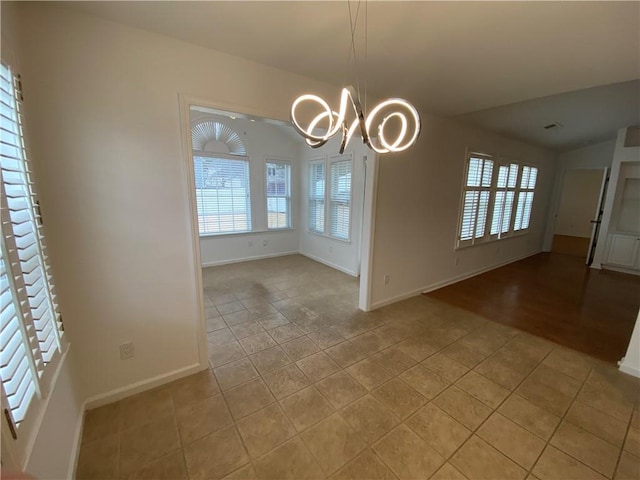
column 449, row 58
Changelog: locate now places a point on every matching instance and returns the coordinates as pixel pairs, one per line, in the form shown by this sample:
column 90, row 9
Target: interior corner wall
column 339, row 254
column 263, row 141
column 418, row 203
column 596, row 157
column 103, row 123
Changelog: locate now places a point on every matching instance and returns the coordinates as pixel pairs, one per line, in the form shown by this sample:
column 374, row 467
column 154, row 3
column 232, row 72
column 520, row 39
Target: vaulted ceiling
column 512, row 67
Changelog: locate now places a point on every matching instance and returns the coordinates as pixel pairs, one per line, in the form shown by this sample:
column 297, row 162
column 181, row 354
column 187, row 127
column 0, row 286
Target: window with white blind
column 340, row 199
column 30, row 323
column 496, row 200
column 525, row 198
column 330, row 184
column 503, row 203
column 475, row 199
column 223, row 198
column 278, row 194
column 317, row 177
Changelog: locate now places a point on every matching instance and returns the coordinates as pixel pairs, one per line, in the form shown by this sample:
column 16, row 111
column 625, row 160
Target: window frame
column 527, row 190
column 501, row 233
column 494, row 189
column 277, row 161
column 460, row 243
column 227, row 157
column 335, row 159
column 317, row 198
column 327, row 163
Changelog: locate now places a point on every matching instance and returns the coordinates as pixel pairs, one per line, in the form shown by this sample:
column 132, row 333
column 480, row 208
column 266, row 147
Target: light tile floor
column 302, row 385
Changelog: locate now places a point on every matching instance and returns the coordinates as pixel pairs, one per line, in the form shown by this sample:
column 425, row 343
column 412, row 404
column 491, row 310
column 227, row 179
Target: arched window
column 221, row 170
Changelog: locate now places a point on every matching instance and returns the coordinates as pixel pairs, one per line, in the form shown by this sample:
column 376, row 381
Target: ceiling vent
column 552, row 125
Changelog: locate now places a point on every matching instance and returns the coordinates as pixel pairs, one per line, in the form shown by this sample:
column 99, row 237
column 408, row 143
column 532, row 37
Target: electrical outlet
column 251, row 243
column 330, row 249
column 126, row 350
column 387, row 278
column 265, row 243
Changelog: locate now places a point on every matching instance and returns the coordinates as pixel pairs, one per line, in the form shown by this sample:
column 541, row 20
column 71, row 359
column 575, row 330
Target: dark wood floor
column 556, row 297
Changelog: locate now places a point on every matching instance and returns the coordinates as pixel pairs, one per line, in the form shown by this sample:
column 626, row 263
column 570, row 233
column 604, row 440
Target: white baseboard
column 396, row 298
column 141, row 386
column 247, row 259
column 75, row 451
column 615, row 268
column 118, row 394
column 329, row 264
column 435, row 286
column 628, row 369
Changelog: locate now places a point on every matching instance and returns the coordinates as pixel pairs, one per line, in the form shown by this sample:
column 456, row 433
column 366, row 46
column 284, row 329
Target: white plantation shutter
column 18, row 369
column 31, row 325
column 223, row 197
column 505, row 199
column 525, row 198
column 340, row 197
column 278, row 195
column 475, row 199
column 503, row 204
column 317, row 180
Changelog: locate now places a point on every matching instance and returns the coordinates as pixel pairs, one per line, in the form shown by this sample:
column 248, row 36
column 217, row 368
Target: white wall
column 102, row 104
column 592, row 157
column 418, row 205
column 344, row 256
column 263, row 141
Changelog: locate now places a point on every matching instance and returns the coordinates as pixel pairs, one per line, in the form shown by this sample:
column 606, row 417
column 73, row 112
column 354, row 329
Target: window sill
column 239, row 234
column 520, row 233
column 329, row 237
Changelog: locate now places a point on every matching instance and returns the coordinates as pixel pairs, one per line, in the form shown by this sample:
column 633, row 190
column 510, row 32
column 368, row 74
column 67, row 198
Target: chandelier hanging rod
column 392, row 108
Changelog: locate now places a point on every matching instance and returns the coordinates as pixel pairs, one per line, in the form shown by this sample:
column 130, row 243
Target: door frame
column 597, row 221
column 185, row 101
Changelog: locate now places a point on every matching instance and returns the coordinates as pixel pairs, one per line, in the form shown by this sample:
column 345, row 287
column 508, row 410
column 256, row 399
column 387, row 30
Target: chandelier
column 390, row 111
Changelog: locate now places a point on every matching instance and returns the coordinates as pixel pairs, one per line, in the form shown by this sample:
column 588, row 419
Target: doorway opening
column 580, row 213
column 282, row 233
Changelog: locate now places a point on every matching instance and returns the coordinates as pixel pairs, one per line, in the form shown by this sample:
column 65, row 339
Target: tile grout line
column 626, row 434
column 562, row 418
column 343, row 369
column 473, row 432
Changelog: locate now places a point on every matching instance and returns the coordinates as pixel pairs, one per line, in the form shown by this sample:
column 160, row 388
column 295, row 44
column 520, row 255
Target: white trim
column 628, row 369
column 329, row 264
column 77, row 442
column 265, row 175
column 367, row 231
column 617, row 268
column 141, row 386
column 184, row 104
column 281, row 254
column 434, row 286
column 119, row 394
column 247, row 259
